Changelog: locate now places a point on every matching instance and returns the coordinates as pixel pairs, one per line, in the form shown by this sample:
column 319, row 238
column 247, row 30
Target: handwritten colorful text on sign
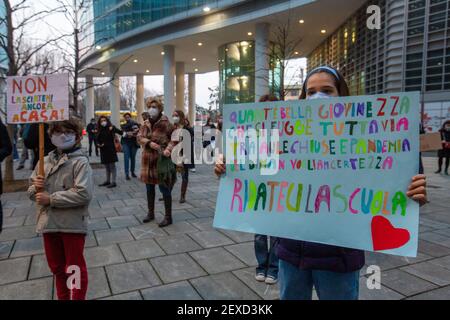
column 340, row 171
column 35, row 99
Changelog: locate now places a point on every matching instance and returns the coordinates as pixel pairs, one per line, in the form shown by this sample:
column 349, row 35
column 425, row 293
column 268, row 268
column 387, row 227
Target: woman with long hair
column 181, row 123
column 333, row 271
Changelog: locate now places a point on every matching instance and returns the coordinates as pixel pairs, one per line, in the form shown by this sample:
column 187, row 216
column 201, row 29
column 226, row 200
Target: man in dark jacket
column 5, row 151
column 130, row 145
column 31, row 141
column 92, row 131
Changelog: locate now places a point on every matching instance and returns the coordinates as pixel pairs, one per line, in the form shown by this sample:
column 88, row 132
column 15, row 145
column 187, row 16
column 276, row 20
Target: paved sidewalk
column 190, row 259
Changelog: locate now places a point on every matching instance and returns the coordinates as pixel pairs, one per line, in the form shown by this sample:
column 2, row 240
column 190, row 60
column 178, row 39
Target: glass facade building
column 115, row 17
column 411, row 52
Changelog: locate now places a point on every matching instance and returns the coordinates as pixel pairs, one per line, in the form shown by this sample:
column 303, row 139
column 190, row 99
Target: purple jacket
column 309, row 256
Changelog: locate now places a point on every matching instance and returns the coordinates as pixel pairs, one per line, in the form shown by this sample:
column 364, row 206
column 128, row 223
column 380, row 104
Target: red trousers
column 64, row 252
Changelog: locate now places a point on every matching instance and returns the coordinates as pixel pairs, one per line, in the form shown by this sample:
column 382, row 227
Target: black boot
column 168, row 208
column 184, row 185
column 151, row 207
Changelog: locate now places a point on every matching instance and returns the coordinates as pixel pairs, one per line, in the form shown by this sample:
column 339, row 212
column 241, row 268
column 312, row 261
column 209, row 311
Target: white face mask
column 64, row 141
column 153, row 112
column 104, row 124
column 176, row 120
column 319, row 95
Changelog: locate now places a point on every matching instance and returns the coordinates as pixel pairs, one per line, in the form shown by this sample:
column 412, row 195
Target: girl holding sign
column 333, row 271
column 63, row 197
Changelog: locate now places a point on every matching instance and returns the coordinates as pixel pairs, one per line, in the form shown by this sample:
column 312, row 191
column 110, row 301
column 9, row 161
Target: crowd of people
column 63, row 194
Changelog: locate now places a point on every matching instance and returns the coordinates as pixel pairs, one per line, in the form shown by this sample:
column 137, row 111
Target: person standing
column 106, row 141
column 445, row 151
column 91, row 130
column 155, row 138
column 63, row 196
column 5, row 151
column 130, row 145
column 333, row 271
column 181, row 123
column 31, row 141
column 24, row 154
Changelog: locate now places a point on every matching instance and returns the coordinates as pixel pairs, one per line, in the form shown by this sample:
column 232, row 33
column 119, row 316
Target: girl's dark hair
column 99, row 122
column 444, row 124
column 182, row 117
column 127, row 114
column 339, row 81
column 268, row 97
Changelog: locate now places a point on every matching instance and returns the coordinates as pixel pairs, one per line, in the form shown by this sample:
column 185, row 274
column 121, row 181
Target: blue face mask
column 319, row 95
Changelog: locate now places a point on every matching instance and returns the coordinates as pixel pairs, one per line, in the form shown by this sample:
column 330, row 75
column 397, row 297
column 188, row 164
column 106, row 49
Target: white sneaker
column 193, row 170
column 271, row 280
column 260, row 277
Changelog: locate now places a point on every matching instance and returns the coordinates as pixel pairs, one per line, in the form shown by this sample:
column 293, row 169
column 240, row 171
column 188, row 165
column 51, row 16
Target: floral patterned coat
column 161, row 134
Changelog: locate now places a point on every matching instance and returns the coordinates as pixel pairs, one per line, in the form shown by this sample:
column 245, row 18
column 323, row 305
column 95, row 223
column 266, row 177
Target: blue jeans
column 166, row 192
column 297, row 284
column 266, row 256
column 129, row 153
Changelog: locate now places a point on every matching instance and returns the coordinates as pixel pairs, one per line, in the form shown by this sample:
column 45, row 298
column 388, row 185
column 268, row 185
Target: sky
column 58, row 23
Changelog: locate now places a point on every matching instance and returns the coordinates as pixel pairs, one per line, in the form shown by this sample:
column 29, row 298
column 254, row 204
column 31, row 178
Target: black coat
column 105, row 141
column 130, row 127
column 5, row 149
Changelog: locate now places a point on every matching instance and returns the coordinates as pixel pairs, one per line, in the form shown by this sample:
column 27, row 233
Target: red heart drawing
column 385, row 236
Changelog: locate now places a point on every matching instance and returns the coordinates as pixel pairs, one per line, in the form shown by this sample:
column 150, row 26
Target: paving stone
column 7, row 212
column 237, row 236
column 202, row 213
column 25, row 232
column 39, row 267
column 177, row 244
column 5, row 249
column 28, row 247
column 113, row 236
column 377, row 294
column 96, row 213
column 180, row 227
column 436, row 238
column 386, row 261
column 433, row 249
column 211, row 239
column 90, row 241
column 111, row 204
column 131, row 276
column 147, row 231
column 40, row 289
column 443, row 262
column 174, row 291
column 405, row 283
column 12, row 222
column 14, row 270
column 245, row 252
column 430, row 272
column 266, row 292
column 203, row 224
column 18, row 204
column 176, row 268
column 142, row 249
column 130, row 210
column 97, row 224
column 125, row 297
column 224, row 286
column 438, row 294
column 182, row 215
column 98, row 284
column 217, row 260
column 122, row 222
column 103, row 256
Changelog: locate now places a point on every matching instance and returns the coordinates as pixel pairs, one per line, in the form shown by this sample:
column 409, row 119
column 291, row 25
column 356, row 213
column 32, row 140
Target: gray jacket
column 69, row 183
